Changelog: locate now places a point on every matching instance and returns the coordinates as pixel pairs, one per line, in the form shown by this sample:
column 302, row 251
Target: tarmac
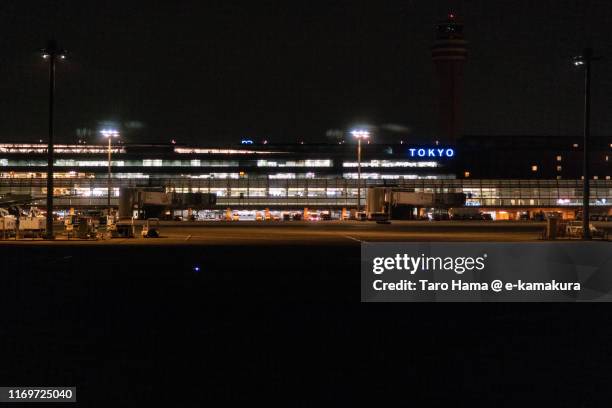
column 312, row 233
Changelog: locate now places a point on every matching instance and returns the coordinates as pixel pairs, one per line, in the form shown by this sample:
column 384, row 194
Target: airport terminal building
column 500, row 174
column 509, row 176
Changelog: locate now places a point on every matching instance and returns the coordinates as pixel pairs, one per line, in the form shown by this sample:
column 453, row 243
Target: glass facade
column 330, row 191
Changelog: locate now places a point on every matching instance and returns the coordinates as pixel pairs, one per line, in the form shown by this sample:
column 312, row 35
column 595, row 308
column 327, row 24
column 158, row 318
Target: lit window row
column 216, row 163
column 191, row 150
column 79, row 148
column 58, row 148
column 121, row 163
column 297, row 163
column 216, row 176
column 284, row 176
column 274, row 192
column 390, row 163
column 57, row 174
column 377, row 176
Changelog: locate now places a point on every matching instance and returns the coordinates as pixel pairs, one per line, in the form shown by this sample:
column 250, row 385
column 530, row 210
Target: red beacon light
column 451, row 16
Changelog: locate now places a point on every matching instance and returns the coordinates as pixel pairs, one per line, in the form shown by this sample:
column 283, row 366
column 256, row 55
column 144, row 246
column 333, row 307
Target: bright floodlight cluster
column 109, row 133
column 360, row 133
column 46, row 55
column 53, row 49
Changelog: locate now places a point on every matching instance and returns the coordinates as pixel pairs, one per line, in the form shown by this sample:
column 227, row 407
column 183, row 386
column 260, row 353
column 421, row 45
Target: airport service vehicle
column 108, row 224
column 378, row 217
column 81, row 226
column 574, row 229
column 34, row 223
column 8, row 223
column 246, row 215
column 465, row 213
column 150, row 229
column 86, row 228
column 111, row 226
column 314, row 217
column 69, row 223
column 124, row 228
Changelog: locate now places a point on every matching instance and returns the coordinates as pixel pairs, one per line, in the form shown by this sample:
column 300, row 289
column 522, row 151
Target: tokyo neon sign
column 432, row 152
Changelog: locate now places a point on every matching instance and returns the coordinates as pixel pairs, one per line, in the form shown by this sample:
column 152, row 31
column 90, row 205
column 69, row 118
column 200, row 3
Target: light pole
column 585, row 60
column 109, row 134
column 51, row 53
column 359, row 134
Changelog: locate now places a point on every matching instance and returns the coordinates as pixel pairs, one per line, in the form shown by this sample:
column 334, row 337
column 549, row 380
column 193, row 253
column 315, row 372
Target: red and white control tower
column 449, row 54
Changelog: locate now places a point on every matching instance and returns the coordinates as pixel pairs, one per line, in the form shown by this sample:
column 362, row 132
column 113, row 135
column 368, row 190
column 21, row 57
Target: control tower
column 449, row 53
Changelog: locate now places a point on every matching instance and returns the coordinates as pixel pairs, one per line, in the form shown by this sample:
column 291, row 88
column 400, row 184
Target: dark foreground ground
column 257, row 324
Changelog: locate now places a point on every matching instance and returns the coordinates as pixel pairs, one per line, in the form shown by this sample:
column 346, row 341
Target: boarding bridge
column 153, row 202
column 395, row 202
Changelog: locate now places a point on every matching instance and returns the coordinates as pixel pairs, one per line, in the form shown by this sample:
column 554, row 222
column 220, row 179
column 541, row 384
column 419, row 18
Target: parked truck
column 8, row 223
column 465, row 213
column 33, row 223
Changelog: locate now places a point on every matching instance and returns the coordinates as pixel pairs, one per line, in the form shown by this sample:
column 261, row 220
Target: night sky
column 213, row 72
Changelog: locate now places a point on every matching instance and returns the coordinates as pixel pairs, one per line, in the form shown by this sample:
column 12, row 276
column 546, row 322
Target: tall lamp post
column 109, row 134
column 359, row 134
column 585, row 60
column 51, row 53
